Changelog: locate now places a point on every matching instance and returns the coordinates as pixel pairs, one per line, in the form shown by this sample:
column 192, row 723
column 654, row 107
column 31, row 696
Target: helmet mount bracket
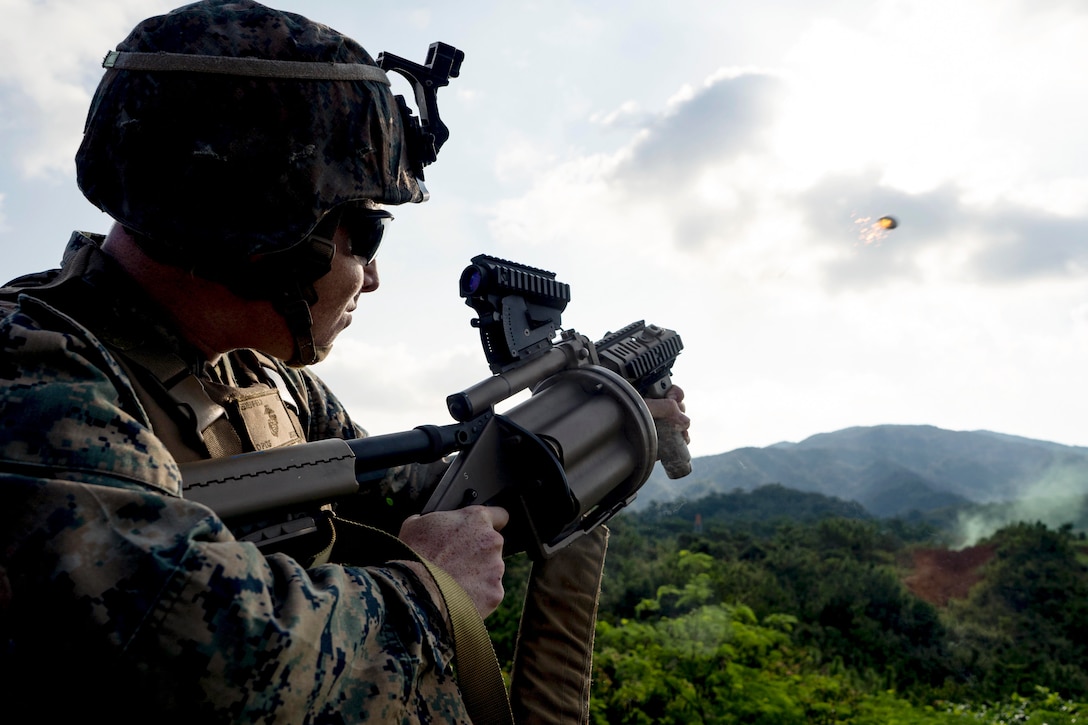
column 427, row 134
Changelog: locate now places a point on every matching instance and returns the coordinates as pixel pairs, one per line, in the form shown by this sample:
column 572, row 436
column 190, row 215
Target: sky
column 715, row 168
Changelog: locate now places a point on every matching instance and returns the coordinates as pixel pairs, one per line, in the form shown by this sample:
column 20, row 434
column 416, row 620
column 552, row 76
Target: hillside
column 938, row 575
column 892, row 470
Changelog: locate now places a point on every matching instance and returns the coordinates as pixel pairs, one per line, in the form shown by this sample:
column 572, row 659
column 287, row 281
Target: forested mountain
column 891, row 469
column 782, row 607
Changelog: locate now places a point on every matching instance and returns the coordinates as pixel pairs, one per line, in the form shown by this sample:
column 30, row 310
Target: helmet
column 216, row 166
column 223, row 133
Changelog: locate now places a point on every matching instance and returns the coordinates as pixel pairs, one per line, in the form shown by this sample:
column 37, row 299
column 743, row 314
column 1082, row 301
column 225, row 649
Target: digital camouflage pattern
column 117, row 597
column 159, row 145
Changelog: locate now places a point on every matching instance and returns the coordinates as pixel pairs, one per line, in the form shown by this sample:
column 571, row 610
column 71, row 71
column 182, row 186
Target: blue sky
column 714, row 168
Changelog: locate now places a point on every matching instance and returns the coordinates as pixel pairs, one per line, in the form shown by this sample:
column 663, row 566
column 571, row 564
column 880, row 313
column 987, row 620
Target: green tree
column 1026, row 623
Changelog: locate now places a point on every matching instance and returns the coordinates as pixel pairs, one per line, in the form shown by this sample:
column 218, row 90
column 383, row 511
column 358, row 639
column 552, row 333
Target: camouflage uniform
column 118, row 597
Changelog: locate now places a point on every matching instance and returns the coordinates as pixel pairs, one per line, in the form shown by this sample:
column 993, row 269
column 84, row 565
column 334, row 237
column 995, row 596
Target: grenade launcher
column 562, row 462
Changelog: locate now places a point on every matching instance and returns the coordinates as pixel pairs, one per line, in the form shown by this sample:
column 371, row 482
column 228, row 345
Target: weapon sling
column 478, row 674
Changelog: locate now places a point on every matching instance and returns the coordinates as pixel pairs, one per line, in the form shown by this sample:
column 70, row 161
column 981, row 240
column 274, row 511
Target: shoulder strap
column 209, row 419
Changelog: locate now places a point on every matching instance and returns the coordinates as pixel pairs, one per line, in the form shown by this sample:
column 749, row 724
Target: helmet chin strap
column 294, row 306
column 311, row 261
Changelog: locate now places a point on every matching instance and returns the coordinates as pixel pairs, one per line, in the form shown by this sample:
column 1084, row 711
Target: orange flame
column 872, row 233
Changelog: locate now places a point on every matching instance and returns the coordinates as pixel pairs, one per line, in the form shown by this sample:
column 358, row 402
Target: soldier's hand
column 467, row 544
column 670, row 409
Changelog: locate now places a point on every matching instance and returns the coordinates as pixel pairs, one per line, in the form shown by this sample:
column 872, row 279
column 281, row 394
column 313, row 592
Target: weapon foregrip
column 672, row 450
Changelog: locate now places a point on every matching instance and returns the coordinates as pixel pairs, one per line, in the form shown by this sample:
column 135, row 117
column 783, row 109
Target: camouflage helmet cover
column 216, row 169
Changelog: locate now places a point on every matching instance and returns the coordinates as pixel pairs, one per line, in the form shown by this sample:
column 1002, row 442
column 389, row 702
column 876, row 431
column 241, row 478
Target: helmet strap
column 296, row 273
column 294, row 306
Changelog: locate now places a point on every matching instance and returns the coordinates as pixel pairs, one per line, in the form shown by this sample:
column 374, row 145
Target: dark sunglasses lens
column 366, row 228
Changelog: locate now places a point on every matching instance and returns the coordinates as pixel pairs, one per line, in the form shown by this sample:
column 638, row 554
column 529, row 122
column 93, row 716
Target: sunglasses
column 365, row 228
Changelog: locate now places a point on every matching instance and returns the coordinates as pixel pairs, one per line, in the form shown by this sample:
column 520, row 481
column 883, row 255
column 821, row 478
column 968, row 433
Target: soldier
column 248, row 207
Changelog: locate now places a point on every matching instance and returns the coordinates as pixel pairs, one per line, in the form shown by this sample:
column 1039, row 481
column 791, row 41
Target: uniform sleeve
column 129, row 600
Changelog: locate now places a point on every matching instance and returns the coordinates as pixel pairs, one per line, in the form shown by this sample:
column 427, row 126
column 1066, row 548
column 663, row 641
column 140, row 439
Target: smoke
column 1059, row 497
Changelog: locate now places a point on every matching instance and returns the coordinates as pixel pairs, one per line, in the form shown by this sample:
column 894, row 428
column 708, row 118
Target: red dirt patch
column 938, row 575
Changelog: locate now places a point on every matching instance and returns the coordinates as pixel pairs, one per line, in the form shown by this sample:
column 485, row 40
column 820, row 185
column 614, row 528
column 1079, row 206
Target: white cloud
column 628, row 114
column 50, row 58
column 979, row 94
column 520, row 158
column 741, row 235
column 390, row 387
